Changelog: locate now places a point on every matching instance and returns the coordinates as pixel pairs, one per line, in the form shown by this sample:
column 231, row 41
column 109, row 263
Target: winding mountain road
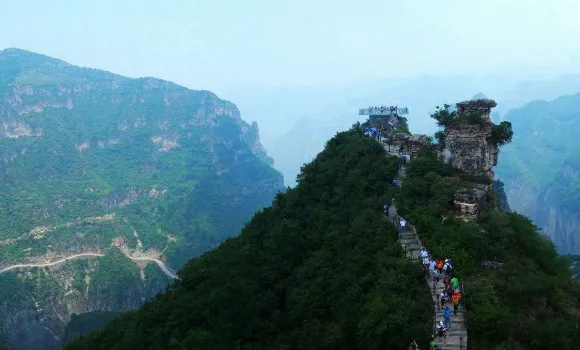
column 159, row 263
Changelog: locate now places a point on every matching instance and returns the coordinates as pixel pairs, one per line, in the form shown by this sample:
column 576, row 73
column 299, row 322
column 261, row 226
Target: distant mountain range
column 296, row 121
column 540, row 167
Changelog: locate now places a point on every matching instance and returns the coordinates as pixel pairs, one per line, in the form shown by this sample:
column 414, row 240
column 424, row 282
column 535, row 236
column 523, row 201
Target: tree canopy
column 320, row 268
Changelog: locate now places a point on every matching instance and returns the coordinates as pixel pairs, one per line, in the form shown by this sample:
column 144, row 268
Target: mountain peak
column 22, row 67
column 25, row 56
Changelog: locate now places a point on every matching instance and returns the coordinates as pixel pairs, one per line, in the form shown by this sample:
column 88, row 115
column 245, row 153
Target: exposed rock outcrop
column 557, row 211
column 411, row 144
column 502, row 201
column 469, row 141
column 469, row 147
column 417, row 142
column 471, row 202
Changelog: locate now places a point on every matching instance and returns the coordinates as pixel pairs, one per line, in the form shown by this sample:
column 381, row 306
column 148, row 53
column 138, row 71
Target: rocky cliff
column 538, row 166
column 92, row 160
column 502, row 200
column 470, row 146
column 557, row 211
column 39, row 303
column 469, row 140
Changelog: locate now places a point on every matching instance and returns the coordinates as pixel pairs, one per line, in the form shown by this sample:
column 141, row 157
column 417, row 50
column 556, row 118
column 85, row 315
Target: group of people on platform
column 383, row 109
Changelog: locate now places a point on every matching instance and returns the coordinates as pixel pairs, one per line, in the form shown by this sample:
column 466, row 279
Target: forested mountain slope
column 90, row 160
column 540, row 167
column 321, row 268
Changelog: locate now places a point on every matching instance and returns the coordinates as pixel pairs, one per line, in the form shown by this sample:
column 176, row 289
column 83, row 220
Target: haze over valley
column 193, row 174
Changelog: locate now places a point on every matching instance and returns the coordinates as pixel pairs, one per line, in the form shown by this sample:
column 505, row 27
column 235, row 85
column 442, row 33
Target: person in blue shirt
column 447, row 317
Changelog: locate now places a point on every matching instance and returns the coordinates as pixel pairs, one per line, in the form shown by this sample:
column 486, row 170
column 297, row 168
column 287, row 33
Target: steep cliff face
column 502, row 201
column 470, row 143
column 39, row 303
column 538, row 167
column 558, row 208
column 91, row 160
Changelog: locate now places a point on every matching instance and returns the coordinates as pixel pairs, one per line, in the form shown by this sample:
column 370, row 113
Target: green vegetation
column 12, row 289
column 502, row 201
column 544, row 134
column 90, row 158
column 320, row 268
column 502, row 133
column 529, row 303
column 177, row 167
column 5, row 343
column 540, row 167
column 444, row 116
column 114, row 274
column 566, row 185
column 87, row 323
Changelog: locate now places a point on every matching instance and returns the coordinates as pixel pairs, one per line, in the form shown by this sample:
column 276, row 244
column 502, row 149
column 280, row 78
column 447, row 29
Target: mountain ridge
column 143, row 172
column 322, row 267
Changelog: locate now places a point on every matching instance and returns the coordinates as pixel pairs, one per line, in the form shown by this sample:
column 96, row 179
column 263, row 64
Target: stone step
column 458, row 326
column 447, row 345
column 460, row 315
column 454, row 338
column 411, row 247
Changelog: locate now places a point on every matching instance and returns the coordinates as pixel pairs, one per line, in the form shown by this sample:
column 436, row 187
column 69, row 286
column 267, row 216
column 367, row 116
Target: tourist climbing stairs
column 456, row 338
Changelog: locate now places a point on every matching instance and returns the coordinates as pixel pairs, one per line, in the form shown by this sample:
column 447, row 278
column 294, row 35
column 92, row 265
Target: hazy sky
column 215, row 44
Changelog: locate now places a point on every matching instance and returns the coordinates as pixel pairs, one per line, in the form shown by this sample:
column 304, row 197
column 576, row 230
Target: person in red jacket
column 439, row 265
column 455, row 300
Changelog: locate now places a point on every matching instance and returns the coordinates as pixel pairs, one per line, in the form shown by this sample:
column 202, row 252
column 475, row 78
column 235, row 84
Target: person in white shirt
column 402, row 224
column 423, row 253
column 442, row 299
column 447, row 267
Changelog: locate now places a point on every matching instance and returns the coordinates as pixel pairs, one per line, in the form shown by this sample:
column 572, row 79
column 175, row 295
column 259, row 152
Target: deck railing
column 383, row 111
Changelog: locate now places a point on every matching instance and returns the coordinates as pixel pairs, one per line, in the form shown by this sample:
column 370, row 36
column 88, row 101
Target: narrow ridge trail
column 159, row 263
column 456, row 337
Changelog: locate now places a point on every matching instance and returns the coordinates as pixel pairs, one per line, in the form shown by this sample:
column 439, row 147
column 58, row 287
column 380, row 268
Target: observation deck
column 383, row 111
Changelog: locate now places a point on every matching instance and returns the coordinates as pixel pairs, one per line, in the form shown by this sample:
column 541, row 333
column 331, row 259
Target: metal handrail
column 383, row 111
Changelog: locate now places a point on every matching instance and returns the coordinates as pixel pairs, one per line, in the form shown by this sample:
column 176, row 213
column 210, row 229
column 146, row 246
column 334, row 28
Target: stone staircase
column 401, row 175
column 409, row 239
